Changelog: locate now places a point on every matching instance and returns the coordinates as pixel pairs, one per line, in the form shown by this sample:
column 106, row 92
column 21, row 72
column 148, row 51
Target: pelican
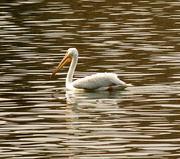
column 97, row 81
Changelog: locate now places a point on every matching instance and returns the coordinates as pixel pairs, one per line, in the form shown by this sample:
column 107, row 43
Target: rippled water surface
column 138, row 40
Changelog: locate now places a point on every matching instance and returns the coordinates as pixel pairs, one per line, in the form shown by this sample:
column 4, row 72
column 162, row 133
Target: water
column 137, row 40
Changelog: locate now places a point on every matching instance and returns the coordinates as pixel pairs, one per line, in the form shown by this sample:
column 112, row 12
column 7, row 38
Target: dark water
column 138, row 40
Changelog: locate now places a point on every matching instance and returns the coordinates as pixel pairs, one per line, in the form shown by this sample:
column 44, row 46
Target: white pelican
column 100, row 80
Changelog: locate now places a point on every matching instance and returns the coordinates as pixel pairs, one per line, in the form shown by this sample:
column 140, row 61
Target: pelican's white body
column 96, row 81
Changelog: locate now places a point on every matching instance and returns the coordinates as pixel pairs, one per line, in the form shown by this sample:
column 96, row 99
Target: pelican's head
column 70, row 54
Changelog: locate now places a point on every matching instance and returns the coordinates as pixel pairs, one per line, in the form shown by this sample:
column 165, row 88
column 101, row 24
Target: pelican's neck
column 72, row 68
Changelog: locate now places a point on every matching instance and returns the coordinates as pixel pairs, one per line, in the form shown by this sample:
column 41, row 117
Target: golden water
column 137, row 40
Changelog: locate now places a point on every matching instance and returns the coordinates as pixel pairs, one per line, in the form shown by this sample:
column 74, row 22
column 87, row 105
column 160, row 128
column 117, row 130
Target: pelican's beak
column 65, row 60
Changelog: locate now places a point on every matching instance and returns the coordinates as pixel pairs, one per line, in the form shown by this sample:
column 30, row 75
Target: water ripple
column 137, row 40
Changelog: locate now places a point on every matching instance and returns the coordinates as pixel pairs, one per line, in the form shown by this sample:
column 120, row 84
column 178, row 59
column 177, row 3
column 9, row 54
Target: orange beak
column 65, row 60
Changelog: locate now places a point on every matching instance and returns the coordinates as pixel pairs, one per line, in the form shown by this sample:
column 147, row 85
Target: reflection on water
column 75, row 97
column 138, row 40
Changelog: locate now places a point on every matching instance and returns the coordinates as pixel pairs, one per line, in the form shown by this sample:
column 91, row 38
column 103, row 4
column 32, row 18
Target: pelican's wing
column 97, row 81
